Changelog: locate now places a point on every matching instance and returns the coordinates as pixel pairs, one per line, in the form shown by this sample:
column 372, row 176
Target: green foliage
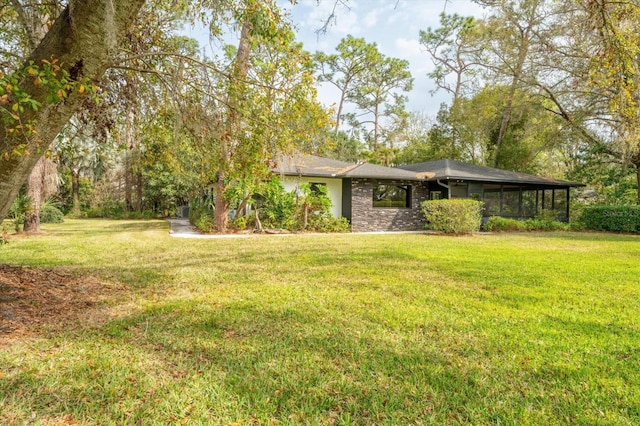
column 241, row 223
column 503, row 224
column 54, row 82
column 201, row 213
column 453, row 216
column 611, row 218
column 109, row 208
column 65, row 193
column 50, row 213
column 276, row 206
column 313, row 211
column 329, row 223
column 19, row 208
column 304, row 209
column 204, row 223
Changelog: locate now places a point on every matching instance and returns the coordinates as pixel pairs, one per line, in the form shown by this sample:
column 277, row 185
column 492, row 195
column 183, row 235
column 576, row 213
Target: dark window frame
column 401, row 202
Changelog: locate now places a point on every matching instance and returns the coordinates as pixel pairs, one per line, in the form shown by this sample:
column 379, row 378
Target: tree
column 376, row 97
column 455, row 50
column 353, row 58
column 262, row 104
column 615, row 70
column 75, row 53
column 509, row 35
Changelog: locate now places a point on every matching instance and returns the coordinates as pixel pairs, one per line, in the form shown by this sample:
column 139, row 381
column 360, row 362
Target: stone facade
column 366, row 218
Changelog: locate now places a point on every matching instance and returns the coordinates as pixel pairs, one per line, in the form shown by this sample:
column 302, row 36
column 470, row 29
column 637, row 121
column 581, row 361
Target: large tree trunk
column 35, row 189
column 42, row 184
column 234, row 122
column 221, row 212
column 83, row 39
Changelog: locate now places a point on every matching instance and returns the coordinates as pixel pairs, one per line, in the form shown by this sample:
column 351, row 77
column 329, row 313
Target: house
column 378, row 198
column 371, row 197
column 504, row 193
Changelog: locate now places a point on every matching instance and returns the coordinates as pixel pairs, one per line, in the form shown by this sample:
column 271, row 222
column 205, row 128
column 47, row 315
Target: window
column 318, row 188
column 392, row 196
column 436, row 195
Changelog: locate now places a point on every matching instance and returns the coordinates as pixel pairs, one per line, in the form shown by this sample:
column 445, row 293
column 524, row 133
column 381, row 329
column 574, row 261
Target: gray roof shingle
column 312, row 165
column 456, row 170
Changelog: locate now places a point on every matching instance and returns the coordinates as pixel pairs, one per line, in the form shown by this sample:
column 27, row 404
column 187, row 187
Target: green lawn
column 536, row 329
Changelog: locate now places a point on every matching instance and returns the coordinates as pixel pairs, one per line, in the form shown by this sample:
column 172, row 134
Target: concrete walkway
column 181, row 228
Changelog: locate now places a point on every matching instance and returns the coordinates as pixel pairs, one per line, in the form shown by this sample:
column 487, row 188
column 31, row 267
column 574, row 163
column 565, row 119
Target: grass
column 538, row 328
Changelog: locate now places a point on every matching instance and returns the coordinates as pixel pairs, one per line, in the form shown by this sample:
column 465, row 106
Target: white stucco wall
column 334, row 189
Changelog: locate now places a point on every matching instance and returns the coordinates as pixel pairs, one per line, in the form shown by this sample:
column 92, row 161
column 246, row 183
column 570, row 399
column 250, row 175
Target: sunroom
column 504, row 193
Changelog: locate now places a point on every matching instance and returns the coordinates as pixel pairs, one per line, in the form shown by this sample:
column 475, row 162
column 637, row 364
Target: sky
column 394, row 25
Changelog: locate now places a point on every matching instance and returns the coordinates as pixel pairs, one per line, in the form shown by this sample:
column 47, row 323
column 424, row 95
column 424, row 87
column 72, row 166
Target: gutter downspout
column 445, row 186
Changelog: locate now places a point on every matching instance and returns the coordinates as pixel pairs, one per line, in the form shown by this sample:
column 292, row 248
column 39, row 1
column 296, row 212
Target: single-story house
column 378, row 198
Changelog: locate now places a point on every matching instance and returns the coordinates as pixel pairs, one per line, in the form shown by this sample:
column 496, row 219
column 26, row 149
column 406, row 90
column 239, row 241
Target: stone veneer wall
column 366, row 218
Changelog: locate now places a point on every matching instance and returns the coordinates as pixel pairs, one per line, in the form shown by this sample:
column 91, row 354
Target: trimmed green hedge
column 503, row 224
column 459, row 216
column 611, row 218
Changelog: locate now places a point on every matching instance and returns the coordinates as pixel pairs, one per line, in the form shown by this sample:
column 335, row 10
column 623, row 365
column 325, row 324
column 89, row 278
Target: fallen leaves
column 37, row 299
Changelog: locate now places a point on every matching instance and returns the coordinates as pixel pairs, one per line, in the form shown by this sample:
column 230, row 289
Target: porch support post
column 501, row 198
column 568, row 198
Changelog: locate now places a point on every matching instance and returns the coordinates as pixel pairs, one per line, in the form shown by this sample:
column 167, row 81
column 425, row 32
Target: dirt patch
column 34, row 300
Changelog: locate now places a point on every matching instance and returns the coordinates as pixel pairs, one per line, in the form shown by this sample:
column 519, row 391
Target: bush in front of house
column 611, row 218
column 503, row 224
column 453, row 216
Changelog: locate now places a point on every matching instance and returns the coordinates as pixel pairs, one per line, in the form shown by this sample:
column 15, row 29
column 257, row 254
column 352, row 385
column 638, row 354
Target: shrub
column 545, row 225
column 611, row 218
column 204, row 223
column 453, row 216
column 503, row 224
column 50, row 214
column 241, row 223
column 276, row 207
column 199, row 209
column 330, row 224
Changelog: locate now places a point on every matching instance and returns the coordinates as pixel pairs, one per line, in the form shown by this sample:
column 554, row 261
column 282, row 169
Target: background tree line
column 138, row 119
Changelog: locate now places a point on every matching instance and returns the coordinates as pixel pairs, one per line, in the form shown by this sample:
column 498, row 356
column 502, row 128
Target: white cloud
column 410, row 49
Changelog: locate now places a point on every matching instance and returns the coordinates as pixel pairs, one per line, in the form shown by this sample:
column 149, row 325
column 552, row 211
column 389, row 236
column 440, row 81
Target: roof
column 456, row 170
column 314, row 166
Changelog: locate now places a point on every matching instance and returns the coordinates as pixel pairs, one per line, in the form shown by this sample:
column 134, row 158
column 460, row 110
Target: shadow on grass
column 244, row 362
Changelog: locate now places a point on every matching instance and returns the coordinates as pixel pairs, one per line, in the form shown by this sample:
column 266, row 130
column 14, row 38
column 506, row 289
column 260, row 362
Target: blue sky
column 394, row 25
